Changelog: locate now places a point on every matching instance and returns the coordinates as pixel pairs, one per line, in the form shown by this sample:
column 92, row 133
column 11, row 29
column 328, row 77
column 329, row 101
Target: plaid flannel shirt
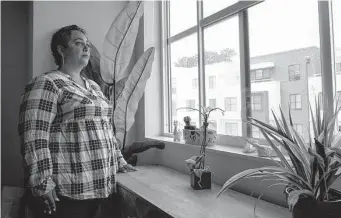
column 67, row 138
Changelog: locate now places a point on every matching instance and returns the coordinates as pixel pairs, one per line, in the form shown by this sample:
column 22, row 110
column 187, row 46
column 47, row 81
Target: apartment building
column 288, row 79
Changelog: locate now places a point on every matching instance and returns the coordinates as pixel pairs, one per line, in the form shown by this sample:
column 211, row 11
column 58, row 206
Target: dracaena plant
column 198, row 162
column 311, row 167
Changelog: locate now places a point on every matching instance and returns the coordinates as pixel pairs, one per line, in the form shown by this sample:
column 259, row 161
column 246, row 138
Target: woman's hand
column 127, row 168
column 50, row 201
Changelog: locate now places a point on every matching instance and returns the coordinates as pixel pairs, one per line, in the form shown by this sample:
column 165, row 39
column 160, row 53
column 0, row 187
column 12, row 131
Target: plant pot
column 307, row 207
column 204, row 183
column 196, row 137
column 311, row 208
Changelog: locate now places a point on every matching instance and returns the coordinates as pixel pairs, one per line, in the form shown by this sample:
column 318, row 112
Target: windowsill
column 224, row 161
column 219, row 149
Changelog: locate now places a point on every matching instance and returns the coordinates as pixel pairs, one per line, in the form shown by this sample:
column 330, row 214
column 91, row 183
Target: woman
column 70, row 153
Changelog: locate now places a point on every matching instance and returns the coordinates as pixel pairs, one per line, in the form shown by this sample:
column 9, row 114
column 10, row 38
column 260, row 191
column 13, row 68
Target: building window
column 298, row 128
column 256, row 133
column 256, row 101
column 231, row 129
column 173, row 86
column 213, row 124
column 260, row 74
column 212, row 82
column 195, row 83
column 295, row 102
column 190, row 103
column 212, row 103
column 338, row 67
column 230, row 104
column 294, row 72
column 173, row 107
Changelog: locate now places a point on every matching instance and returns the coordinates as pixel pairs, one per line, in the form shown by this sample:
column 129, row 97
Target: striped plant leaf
column 119, row 43
column 127, row 103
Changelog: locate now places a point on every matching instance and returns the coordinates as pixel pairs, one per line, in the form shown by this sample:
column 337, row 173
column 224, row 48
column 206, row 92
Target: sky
column 274, row 26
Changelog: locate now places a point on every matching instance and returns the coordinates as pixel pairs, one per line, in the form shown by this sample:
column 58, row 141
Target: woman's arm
column 37, row 111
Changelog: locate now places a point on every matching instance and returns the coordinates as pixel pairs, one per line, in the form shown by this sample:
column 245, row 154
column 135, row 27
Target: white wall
column 94, row 16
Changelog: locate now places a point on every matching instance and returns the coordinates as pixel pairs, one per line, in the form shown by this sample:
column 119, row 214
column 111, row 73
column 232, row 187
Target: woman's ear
column 60, row 50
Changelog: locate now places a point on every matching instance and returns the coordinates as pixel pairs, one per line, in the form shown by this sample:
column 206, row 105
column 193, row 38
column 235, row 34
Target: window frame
column 257, row 94
column 229, row 105
column 239, row 9
column 293, row 74
column 295, row 102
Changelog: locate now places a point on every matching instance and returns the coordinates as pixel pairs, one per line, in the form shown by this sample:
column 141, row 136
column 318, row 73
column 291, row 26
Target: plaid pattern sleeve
column 37, row 111
column 121, row 161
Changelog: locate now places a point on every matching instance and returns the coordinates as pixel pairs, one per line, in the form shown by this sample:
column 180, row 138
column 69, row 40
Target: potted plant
column 312, row 169
column 200, row 175
column 196, row 136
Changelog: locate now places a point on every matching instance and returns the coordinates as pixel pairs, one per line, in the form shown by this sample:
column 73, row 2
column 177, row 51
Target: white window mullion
column 201, row 59
column 245, row 81
column 167, row 75
column 328, row 86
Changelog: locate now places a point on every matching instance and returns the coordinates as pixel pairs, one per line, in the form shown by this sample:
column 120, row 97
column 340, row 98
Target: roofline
column 293, row 50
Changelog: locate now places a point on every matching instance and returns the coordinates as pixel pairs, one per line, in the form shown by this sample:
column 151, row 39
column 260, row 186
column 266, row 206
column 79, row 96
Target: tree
column 211, row 57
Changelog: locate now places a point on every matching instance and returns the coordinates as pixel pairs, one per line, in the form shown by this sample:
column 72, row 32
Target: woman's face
column 78, row 51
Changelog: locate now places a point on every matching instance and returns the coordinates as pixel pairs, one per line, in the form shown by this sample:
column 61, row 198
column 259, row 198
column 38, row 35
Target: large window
column 238, row 55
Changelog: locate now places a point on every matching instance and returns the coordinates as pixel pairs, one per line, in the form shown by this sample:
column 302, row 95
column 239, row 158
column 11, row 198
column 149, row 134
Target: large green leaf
column 278, row 152
column 298, row 159
column 277, row 171
column 127, row 102
column 119, row 42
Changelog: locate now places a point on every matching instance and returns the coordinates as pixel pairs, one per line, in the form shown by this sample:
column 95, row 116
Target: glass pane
column 223, row 71
column 284, row 38
column 183, row 15
column 184, row 69
column 337, row 44
column 211, row 7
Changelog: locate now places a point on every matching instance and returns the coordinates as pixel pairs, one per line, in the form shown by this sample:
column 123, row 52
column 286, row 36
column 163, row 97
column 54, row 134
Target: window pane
column 222, row 72
column 283, row 34
column 183, row 15
column 337, row 44
column 184, row 69
column 211, row 7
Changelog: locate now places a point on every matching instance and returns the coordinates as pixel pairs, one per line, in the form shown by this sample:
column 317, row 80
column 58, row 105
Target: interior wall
column 93, row 16
column 15, row 31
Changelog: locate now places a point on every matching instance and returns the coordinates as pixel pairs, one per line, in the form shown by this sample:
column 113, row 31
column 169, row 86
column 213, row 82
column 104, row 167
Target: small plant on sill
column 201, row 174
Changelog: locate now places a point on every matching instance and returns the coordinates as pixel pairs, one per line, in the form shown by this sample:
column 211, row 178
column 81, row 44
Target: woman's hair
column 62, row 37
